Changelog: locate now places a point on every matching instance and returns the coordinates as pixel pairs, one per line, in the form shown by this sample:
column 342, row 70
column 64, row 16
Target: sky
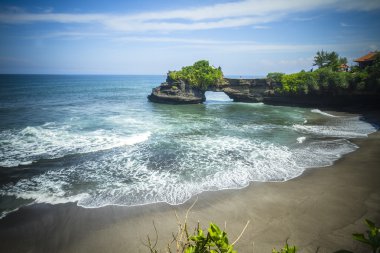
column 244, row 37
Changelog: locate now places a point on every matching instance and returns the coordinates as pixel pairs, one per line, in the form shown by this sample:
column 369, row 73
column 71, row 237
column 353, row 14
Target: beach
column 124, row 122
column 318, row 210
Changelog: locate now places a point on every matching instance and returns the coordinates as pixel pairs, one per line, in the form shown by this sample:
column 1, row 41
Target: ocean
column 97, row 141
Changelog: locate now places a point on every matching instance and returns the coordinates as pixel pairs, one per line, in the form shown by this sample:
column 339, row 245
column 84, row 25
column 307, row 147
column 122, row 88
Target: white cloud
column 373, row 47
column 224, row 15
column 362, row 5
column 261, row 27
column 342, row 24
column 135, row 26
column 288, row 65
column 177, row 40
column 258, row 8
column 302, row 19
column 68, row 35
column 247, row 46
column 51, row 17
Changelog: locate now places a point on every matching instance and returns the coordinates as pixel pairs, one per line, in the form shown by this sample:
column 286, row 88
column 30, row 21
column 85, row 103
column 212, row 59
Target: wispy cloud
column 342, row 24
column 68, row 35
column 22, row 18
column 302, row 19
column 246, row 46
column 374, row 47
column 177, row 40
column 261, row 27
column 224, row 15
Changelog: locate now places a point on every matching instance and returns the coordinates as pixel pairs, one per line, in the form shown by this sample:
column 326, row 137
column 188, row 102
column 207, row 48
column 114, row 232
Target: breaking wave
column 171, row 168
column 22, row 147
column 323, row 113
column 342, row 127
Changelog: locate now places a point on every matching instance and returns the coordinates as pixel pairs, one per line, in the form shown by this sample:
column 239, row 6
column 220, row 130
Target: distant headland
column 333, row 84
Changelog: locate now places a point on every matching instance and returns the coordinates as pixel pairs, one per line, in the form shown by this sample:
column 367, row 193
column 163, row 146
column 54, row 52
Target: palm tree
column 343, row 60
column 331, row 60
column 320, row 59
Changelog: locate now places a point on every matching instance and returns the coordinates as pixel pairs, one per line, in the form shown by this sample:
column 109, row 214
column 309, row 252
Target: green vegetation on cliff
column 331, row 60
column 321, row 81
column 275, row 76
column 200, row 75
column 328, row 80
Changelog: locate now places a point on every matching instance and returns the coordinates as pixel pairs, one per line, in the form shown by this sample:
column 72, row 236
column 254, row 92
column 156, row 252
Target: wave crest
column 49, row 141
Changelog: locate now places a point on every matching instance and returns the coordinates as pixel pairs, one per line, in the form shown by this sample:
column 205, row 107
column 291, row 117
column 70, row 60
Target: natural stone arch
column 239, row 90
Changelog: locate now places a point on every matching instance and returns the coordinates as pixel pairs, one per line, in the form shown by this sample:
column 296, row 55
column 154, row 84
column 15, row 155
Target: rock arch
column 240, row 90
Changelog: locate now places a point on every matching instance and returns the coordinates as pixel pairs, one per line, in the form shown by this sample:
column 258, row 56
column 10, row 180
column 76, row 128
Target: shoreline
column 322, row 207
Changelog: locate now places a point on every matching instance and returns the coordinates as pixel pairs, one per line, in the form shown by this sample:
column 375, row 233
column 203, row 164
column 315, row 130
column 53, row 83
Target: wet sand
column 320, row 209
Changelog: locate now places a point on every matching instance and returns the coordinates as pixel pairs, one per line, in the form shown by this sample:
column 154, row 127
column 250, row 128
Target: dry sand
column 320, row 209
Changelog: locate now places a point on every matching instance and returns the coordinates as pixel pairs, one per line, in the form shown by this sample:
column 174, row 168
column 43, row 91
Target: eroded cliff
column 240, row 90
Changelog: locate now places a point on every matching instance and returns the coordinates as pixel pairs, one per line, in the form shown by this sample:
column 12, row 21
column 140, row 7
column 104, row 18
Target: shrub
column 328, row 80
column 200, row 75
column 374, row 75
column 359, row 81
column 215, row 241
column 323, row 80
column 299, row 83
column 333, row 82
column 372, row 238
column 275, row 76
column 286, row 249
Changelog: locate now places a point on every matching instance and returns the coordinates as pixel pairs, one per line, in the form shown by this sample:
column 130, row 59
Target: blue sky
column 251, row 37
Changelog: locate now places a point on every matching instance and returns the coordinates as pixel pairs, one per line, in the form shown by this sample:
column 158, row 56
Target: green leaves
column 318, row 82
column 372, row 239
column 327, row 79
column 215, row 241
column 275, row 76
column 324, row 59
column 373, row 236
column 219, row 238
column 286, row 249
column 299, row 83
column 200, row 75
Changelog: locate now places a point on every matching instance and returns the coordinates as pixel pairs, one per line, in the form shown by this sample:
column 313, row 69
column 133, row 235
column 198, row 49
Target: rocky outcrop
column 257, row 90
column 176, row 92
column 240, row 90
column 249, row 90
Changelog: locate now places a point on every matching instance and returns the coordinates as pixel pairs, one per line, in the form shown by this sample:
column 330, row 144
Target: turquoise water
column 98, row 141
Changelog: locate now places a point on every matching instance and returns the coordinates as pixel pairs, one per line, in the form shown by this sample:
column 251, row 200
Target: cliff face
column 240, row 90
column 249, row 90
column 177, row 92
column 254, row 91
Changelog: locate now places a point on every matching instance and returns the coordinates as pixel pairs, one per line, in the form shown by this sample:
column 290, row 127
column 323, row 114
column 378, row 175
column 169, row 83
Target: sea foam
column 22, row 147
column 342, row 127
column 323, row 113
column 136, row 176
column 174, row 161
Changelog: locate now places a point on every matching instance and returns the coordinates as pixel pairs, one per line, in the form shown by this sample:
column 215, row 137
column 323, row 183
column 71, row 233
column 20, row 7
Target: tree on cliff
column 200, row 75
column 324, row 59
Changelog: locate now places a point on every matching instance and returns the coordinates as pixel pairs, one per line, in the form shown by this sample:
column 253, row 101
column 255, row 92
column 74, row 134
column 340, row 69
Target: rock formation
column 176, row 92
column 240, row 90
column 248, row 90
column 254, row 91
